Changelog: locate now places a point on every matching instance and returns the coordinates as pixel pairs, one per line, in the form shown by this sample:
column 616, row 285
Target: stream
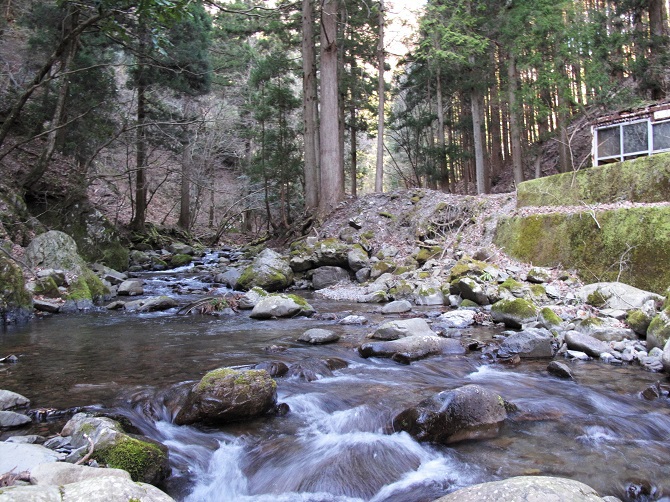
column 336, row 444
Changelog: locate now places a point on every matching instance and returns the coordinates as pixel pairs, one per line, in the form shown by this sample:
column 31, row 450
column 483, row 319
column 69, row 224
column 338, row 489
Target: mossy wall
column 631, row 245
column 646, row 179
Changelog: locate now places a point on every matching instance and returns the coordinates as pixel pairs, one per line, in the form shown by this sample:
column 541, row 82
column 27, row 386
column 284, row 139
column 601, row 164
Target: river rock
column 108, row 488
column 658, row 332
column 229, row 277
column 331, row 252
column 529, row 343
column 145, row 460
column 227, row 395
column 665, row 358
column 274, row 368
column 63, row 473
column 12, row 420
column 16, row 303
column 312, row 369
column 353, row 320
column 357, row 258
column 526, row 488
column 397, row 307
column 411, row 348
column 585, row 343
column 280, row 305
column 457, row 319
column 131, row 287
column 24, row 457
column 469, row 412
column 55, row 250
column 514, row 313
column 49, row 306
column 560, row 370
column 152, row 304
column 10, row 400
column 268, row 271
column 616, row 295
column 392, row 330
column 428, row 293
column 538, row 275
column 319, row 336
column 329, row 275
column 472, row 290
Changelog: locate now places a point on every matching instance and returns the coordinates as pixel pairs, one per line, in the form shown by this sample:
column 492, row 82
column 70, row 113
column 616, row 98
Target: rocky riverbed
column 428, row 272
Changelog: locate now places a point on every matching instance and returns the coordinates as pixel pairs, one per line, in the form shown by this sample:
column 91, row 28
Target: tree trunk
column 185, row 190
column 353, row 168
column 514, row 130
column 139, row 221
column 478, row 140
column 444, row 175
column 657, row 46
column 69, row 53
column 381, row 90
column 310, row 108
column 332, row 176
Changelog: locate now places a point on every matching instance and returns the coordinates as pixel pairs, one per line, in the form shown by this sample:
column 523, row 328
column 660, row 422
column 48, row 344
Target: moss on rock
column 428, row 253
column 639, row 236
column 514, row 313
column 141, row 459
column 179, row 260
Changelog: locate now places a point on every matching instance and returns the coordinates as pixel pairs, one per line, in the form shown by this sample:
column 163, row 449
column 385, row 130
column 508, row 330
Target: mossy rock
column 658, row 332
column 46, row 286
column 16, row 303
column 469, row 267
column 87, row 286
column 146, row 462
column 179, row 260
column 514, row 313
column 549, row 318
column 646, row 179
column 639, row 321
column 226, row 395
column 468, row 304
column 429, row 253
column 595, row 244
column 381, row 267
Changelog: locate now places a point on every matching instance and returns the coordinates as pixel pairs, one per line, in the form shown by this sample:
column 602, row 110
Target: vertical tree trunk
column 514, row 129
column 310, row 108
column 381, row 90
column 68, row 55
column 658, row 34
column 476, row 108
column 442, row 159
column 185, row 190
column 353, row 169
column 139, row 220
column 332, row 176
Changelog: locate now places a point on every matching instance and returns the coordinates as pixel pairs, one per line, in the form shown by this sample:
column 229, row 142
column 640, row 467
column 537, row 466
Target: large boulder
column 392, row 330
column 469, row 412
column 12, row 420
column 144, row 459
column 410, row 348
column 529, row 343
column 269, row 271
column 472, row 290
column 586, row 343
column 24, row 457
column 227, row 395
column 331, row 252
column 107, row 488
column 527, row 488
column 616, row 295
column 357, row 258
column 328, row 275
column 57, row 250
column 658, row 332
column 280, row 305
column 514, row 313
column 16, row 303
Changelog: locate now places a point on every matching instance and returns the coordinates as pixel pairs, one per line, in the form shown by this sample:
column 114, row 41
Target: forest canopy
column 250, row 117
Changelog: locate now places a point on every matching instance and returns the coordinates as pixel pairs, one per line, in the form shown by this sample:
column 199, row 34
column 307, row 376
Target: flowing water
column 336, row 443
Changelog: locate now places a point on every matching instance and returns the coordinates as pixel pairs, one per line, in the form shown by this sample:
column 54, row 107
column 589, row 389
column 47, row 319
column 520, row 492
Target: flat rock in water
column 560, row 370
column 529, row 343
column 526, row 488
column 63, row 473
column 392, row 330
column 280, row 305
column 10, row 400
column 353, row 320
column 411, row 348
column 457, row 319
column 319, row 336
column 49, row 306
column 131, row 287
column 11, row 419
column 585, row 343
column 397, row 307
column 153, row 304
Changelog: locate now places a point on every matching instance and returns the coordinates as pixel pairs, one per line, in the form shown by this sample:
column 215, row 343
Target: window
column 615, row 143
